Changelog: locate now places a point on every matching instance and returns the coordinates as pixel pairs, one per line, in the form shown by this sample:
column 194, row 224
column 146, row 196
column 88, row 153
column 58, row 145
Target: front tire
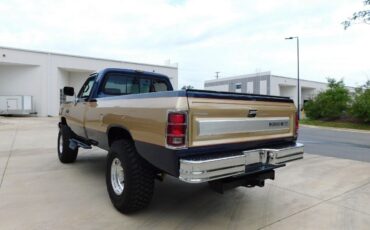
column 65, row 154
column 129, row 178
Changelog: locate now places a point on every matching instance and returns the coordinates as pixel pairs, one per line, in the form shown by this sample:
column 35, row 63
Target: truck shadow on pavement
column 93, row 164
column 175, row 200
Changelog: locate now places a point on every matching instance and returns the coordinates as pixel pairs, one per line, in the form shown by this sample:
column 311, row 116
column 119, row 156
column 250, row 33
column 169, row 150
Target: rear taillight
column 176, row 129
column 296, row 125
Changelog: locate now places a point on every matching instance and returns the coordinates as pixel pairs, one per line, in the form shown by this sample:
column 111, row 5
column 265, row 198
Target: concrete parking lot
column 38, row 192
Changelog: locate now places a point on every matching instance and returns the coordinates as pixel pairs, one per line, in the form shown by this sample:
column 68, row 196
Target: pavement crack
column 299, row 193
column 293, row 214
column 352, row 209
column 9, row 155
column 349, row 191
column 328, row 200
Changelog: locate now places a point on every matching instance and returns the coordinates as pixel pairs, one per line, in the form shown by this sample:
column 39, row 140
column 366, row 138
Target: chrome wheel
column 60, row 146
column 117, row 176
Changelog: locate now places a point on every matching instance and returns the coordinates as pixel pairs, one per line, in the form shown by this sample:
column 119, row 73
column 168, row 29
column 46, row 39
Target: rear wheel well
column 118, row 133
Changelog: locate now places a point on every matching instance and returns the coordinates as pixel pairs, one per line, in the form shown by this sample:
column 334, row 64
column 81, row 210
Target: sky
column 232, row 37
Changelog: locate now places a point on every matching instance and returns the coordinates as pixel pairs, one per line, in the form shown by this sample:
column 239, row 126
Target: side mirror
column 68, row 91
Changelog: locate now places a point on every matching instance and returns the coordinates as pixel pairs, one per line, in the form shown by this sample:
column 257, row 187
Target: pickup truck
column 149, row 130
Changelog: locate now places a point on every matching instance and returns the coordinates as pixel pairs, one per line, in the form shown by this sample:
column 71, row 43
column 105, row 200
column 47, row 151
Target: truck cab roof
column 130, row 71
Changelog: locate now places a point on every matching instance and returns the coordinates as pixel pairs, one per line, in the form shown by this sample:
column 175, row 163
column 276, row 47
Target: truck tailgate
column 222, row 117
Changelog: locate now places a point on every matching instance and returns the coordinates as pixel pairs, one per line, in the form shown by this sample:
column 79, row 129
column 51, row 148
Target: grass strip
column 336, row 124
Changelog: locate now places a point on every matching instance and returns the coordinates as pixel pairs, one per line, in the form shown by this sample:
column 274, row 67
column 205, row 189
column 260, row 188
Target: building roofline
column 292, row 78
column 262, row 74
column 239, row 77
column 308, row 80
column 86, row 57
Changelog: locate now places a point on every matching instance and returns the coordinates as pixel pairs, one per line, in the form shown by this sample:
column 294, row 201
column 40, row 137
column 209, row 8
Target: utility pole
column 298, row 87
column 217, row 75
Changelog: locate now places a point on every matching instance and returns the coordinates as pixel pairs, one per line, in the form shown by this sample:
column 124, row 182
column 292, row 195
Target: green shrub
column 361, row 103
column 311, row 109
column 330, row 104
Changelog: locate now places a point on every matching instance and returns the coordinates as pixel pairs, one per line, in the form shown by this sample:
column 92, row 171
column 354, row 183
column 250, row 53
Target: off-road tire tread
column 139, row 178
column 68, row 155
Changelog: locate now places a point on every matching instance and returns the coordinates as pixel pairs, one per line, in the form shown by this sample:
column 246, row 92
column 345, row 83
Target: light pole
column 298, row 88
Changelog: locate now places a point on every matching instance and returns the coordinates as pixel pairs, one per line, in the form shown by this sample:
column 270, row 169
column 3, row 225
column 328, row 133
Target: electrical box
column 16, row 105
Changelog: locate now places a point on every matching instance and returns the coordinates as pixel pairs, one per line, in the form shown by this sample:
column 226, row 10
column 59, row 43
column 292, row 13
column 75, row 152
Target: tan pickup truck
column 149, row 130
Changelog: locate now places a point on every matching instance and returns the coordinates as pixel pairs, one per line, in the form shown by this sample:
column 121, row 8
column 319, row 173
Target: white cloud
column 233, row 37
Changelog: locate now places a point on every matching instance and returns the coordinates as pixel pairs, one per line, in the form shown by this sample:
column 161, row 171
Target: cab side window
column 86, row 88
column 115, row 84
column 120, row 84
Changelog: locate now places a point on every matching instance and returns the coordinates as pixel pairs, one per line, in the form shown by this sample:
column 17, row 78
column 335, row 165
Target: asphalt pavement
column 336, row 143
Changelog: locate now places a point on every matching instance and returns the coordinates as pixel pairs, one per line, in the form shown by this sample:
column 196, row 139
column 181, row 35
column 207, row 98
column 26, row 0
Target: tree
column 361, row 103
column 330, row 104
column 362, row 16
column 187, row 87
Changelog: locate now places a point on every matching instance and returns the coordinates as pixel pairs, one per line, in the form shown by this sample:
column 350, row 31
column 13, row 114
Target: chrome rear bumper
column 199, row 170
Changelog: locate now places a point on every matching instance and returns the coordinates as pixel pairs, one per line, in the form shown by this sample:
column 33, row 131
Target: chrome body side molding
column 220, row 126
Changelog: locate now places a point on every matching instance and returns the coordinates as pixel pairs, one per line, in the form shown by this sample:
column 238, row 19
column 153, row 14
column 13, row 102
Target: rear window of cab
column 123, row 84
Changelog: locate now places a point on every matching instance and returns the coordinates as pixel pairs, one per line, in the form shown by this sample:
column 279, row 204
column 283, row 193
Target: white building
column 268, row 84
column 42, row 75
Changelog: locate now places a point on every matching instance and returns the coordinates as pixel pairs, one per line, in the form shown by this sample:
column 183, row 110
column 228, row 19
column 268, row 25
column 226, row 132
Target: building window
column 238, row 87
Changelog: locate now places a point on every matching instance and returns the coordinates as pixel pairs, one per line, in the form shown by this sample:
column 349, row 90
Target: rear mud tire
column 134, row 190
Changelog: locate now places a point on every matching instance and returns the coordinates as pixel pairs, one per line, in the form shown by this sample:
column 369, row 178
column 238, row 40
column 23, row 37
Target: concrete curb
column 336, row 129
